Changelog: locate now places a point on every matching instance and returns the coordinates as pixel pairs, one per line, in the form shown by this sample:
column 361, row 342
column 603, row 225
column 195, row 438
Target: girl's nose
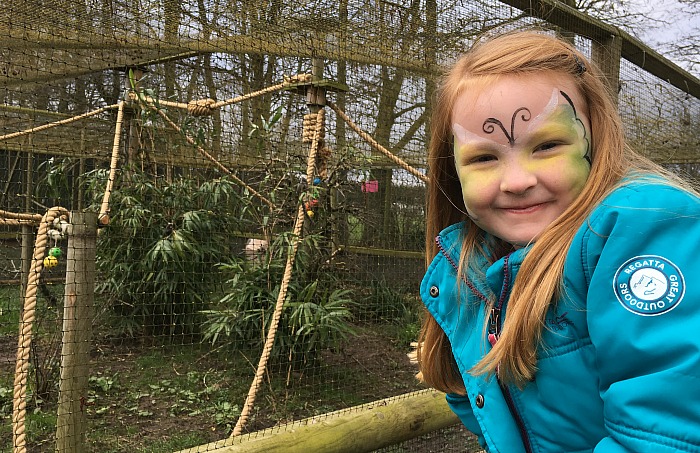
column 517, row 179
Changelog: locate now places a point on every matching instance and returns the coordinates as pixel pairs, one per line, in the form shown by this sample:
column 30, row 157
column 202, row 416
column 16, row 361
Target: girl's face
column 522, row 152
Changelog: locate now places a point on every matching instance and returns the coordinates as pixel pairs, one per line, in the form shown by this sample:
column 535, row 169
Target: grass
column 9, row 309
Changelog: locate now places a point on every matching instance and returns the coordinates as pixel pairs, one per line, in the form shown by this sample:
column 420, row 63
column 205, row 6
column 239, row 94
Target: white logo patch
column 649, row 285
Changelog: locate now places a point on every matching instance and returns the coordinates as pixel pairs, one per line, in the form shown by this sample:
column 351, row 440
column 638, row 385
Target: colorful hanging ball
column 310, row 214
column 55, row 251
column 317, row 181
column 50, row 261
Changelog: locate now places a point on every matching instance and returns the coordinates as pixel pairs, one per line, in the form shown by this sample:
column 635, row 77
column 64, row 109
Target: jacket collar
column 451, row 239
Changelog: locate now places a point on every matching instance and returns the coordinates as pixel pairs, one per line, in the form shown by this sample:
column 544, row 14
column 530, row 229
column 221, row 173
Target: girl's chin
column 519, row 245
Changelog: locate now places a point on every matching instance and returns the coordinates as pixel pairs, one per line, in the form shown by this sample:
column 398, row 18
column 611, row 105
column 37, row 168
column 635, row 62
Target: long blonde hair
column 539, row 278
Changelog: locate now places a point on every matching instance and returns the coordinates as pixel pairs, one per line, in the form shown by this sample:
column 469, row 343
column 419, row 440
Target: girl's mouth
column 527, row 209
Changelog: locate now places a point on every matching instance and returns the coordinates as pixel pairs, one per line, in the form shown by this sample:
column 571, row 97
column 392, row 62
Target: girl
column 562, row 300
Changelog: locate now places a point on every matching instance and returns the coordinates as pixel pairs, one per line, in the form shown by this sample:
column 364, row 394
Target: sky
column 671, row 21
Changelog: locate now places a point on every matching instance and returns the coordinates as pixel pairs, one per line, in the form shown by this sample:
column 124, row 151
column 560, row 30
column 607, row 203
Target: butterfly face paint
column 522, row 153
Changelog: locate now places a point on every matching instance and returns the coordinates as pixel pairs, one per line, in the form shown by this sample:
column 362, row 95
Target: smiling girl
column 561, row 303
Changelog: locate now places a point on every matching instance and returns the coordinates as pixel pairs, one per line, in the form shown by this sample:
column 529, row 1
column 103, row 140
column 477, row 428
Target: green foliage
column 9, row 313
column 54, row 174
column 398, row 312
column 319, row 318
column 103, row 383
column 5, row 401
column 157, row 257
column 316, row 314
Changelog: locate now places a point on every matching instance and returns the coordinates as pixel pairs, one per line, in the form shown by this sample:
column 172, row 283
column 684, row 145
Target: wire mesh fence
column 197, row 238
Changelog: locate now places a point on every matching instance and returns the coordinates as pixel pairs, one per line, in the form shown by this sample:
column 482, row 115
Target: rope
column 300, row 78
column 13, row 218
column 56, row 123
column 103, row 217
column 309, row 133
column 202, row 151
column 205, row 107
column 309, row 129
column 377, row 146
column 201, row 107
column 13, row 222
column 269, row 341
column 19, row 407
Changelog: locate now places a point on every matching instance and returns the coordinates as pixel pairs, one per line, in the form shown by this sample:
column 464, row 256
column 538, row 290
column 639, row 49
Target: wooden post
column 77, row 332
column 132, row 132
column 606, row 53
column 27, row 250
column 361, row 429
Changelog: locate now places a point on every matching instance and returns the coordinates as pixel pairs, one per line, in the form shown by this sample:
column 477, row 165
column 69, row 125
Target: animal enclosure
column 212, row 212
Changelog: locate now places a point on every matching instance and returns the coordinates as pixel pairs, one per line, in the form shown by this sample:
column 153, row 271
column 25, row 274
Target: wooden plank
column 633, row 50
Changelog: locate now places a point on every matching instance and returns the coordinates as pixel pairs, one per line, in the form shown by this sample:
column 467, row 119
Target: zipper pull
column 492, row 339
column 494, row 326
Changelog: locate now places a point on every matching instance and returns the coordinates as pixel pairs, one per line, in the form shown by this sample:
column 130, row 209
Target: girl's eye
column 482, row 158
column 546, row 146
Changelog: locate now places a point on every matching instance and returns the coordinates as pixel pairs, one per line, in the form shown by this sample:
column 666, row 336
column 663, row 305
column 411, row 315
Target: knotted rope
column 310, row 127
column 205, row 107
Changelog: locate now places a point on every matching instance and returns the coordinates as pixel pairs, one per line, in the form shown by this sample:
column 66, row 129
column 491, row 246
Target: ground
column 148, row 397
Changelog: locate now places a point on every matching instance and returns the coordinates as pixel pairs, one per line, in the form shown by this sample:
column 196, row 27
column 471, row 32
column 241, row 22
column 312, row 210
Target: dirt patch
column 8, row 350
column 387, row 365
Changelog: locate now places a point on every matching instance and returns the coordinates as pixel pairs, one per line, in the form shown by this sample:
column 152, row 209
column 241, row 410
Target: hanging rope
column 57, row 123
column 272, row 332
column 308, row 134
column 368, row 138
column 103, row 217
column 26, row 324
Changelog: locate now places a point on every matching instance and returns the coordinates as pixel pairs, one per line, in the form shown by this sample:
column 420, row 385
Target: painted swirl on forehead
column 489, row 128
column 587, row 156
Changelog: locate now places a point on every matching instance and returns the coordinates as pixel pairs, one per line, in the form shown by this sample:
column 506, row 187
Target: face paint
column 582, row 128
column 488, row 127
column 517, row 178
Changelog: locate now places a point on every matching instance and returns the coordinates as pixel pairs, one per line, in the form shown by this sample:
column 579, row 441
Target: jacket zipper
column 495, row 326
column 494, row 332
column 516, row 416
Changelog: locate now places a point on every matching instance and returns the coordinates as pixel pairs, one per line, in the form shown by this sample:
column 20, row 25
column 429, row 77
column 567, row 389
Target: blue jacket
column 619, row 367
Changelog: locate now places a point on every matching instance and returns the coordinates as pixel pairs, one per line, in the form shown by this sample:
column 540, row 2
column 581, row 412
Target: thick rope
column 13, row 218
column 103, row 217
column 205, row 107
column 19, row 407
column 300, row 78
column 57, row 123
column 203, row 152
column 269, row 341
column 368, row 138
column 309, row 134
